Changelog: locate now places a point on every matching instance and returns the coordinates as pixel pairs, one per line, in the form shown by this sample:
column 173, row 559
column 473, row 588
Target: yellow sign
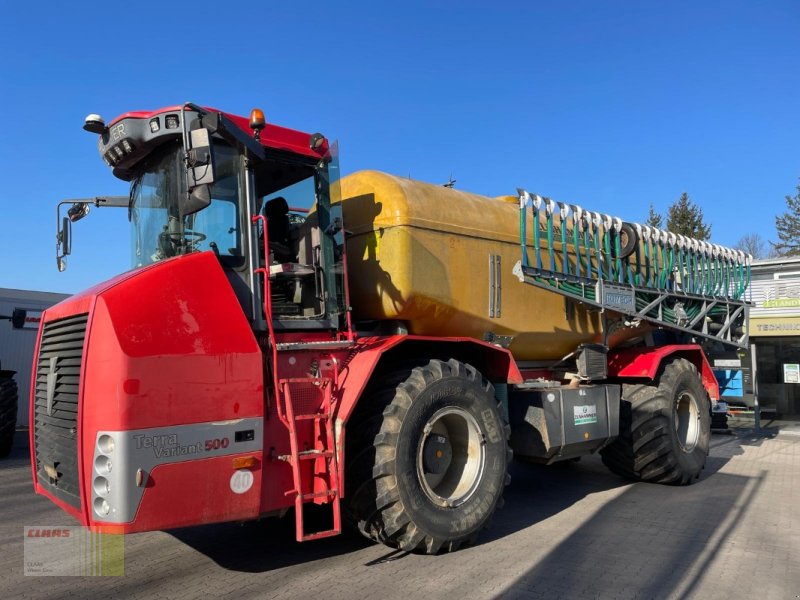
column 774, row 326
column 781, row 303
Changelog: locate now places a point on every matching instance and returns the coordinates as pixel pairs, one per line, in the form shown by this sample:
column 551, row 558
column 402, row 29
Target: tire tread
column 374, row 506
column 644, row 450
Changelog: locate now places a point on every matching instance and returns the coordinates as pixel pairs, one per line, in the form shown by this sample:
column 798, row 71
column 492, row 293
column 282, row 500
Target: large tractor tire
column 8, row 411
column 664, row 429
column 427, row 458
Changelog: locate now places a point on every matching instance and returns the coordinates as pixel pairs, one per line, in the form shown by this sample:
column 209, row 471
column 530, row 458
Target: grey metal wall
column 17, row 345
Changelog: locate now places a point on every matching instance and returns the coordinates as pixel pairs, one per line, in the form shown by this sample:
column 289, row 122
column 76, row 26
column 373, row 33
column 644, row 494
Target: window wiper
column 134, row 188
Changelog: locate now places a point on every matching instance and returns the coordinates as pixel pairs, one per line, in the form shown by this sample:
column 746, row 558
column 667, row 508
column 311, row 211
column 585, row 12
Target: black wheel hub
column 437, row 454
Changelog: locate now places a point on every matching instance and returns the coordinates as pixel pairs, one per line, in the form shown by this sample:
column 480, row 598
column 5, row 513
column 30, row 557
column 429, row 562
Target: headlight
column 101, row 507
column 106, row 444
column 102, row 465
column 101, row 486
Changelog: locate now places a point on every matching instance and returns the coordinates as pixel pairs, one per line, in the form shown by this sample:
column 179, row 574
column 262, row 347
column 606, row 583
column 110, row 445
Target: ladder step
column 312, row 454
column 322, row 494
column 312, row 417
column 320, row 534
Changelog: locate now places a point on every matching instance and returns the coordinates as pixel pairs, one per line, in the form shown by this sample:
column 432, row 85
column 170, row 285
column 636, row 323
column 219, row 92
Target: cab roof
column 272, row 136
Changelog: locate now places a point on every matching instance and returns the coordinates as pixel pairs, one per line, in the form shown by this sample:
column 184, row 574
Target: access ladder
column 309, row 401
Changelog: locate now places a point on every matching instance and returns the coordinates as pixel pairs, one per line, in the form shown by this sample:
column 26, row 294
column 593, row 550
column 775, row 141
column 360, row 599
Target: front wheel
column 430, row 459
column 664, row 429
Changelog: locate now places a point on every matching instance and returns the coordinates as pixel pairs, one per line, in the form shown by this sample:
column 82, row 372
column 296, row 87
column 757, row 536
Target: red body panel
column 644, row 363
column 166, row 345
column 272, row 136
column 166, row 503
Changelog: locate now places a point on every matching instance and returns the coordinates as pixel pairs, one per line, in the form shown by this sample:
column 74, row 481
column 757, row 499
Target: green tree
column 788, row 227
column 684, row 217
column 654, row 219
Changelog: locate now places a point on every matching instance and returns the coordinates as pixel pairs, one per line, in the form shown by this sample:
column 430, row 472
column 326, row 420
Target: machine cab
column 258, row 196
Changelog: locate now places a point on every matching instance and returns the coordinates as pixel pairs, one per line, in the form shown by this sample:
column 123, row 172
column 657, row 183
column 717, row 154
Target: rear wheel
column 8, row 412
column 428, row 458
column 664, row 429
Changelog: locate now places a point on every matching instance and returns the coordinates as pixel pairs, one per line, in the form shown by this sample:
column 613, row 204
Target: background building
column 17, row 345
column 775, row 334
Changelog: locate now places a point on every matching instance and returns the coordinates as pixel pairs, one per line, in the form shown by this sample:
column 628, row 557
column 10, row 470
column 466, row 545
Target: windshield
column 158, row 232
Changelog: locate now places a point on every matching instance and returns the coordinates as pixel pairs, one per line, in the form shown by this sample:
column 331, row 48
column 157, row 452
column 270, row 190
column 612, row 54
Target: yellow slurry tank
column 441, row 259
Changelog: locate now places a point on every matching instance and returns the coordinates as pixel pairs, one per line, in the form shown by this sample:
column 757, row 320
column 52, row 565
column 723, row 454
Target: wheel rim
column 687, row 421
column 450, row 457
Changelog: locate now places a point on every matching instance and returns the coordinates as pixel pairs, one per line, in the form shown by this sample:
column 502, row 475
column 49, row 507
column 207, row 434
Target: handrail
column 268, row 310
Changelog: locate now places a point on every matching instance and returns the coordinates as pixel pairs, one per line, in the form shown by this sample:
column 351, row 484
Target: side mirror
column 199, row 172
column 78, row 208
column 18, row 318
column 77, row 211
column 63, row 239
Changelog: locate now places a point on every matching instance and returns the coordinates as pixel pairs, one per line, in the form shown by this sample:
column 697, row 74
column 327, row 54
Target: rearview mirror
column 18, row 318
column 77, row 211
column 64, row 235
column 199, row 171
column 63, row 243
column 199, row 197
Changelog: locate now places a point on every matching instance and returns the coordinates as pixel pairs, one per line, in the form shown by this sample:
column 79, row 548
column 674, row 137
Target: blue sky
column 612, row 105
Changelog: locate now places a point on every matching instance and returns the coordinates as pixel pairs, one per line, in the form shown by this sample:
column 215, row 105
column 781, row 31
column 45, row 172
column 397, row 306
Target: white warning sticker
column 241, row 481
column 586, row 414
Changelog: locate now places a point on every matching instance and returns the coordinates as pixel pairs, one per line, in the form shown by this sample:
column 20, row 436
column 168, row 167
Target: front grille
column 56, row 408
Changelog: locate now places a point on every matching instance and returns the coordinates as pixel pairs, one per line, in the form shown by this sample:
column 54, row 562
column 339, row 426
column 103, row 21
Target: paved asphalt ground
column 572, row 531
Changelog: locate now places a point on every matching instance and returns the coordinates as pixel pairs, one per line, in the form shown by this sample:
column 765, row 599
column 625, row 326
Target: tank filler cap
column 646, row 231
column 550, row 206
column 617, row 224
column 564, row 210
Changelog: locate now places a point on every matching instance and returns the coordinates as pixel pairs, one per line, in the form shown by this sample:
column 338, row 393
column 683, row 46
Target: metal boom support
column 666, row 279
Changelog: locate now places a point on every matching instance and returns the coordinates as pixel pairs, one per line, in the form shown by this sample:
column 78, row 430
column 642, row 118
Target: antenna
column 450, row 182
